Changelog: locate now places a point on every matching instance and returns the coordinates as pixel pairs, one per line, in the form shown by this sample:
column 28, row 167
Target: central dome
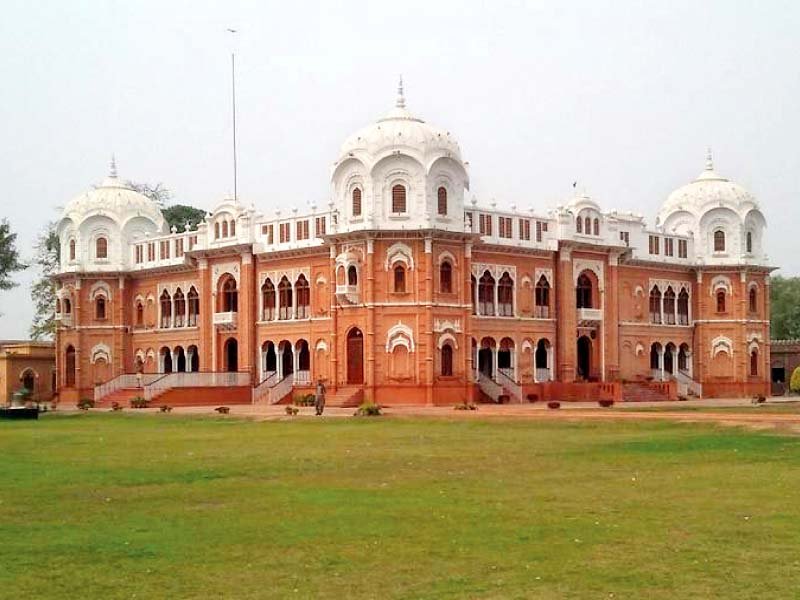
column 399, row 130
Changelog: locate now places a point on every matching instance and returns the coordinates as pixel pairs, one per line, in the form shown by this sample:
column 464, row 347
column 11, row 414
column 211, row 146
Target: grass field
column 163, row 506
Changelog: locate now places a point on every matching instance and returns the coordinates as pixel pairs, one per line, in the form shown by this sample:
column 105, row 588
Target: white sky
column 622, row 96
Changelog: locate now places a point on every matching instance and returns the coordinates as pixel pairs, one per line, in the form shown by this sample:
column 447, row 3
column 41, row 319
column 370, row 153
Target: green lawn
column 161, row 506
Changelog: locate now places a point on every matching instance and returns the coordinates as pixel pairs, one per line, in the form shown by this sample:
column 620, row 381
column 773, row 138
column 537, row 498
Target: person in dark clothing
column 319, row 397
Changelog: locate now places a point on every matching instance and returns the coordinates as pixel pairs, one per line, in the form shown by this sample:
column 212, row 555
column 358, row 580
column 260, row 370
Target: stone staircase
column 345, row 397
column 643, row 392
column 122, row 395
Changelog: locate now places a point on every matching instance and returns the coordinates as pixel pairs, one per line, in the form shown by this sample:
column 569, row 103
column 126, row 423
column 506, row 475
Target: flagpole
column 233, row 109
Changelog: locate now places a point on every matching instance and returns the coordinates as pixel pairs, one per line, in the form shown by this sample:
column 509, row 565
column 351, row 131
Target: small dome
column 709, row 190
column 114, row 198
column 399, row 130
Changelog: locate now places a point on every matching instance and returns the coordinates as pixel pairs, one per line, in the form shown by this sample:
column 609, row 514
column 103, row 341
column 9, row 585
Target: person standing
column 319, row 397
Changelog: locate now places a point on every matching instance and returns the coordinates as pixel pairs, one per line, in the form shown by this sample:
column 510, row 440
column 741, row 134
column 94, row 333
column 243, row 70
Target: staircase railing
column 197, row 379
column 509, row 385
column 261, row 391
column 489, row 387
column 687, row 385
column 126, row 380
column 278, row 391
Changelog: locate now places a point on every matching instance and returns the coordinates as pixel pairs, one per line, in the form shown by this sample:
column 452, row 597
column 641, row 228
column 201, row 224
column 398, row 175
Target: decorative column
column 428, row 334
column 334, row 312
column 205, row 300
column 566, row 316
column 246, row 319
column 466, row 292
column 369, row 338
column 661, row 361
column 611, row 320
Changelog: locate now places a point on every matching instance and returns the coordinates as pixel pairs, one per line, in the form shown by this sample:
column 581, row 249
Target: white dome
column 399, row 130
column 709, row 190
column 113, row 198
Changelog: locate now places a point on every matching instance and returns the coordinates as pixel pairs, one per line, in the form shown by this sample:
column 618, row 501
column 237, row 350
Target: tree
column 43, row 291
column 178, row 215
column 9, row 256
column 785, row 308
column 794, row 382
column 158, row 193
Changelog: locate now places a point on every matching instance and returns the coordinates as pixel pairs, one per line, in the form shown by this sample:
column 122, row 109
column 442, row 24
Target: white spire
column 401, row 99
column 709, row 160
column 113, row 172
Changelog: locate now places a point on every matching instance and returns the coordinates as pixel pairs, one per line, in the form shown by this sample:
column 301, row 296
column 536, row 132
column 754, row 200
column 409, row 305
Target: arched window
column 683, row 308
column 194, row 308
column 473, row 289
column 579, row 225
column 447, row 360
column 72, row 249
column 719, row 241
column 683, row 358
column 445, row 277
column 224, row 229
column 166, row 310
column 180, row 308
column 230, row 295
column 753, row 300
column 587, row 225
column 67, row 306
column 596, row 226
column 352, row 275
column 303, row 291
column 100, row 308
column 69, row 367
column 749, row 242
column 101, row 247
column 486, row 294
column 284, row 299
column 356, row 202
column 399, row 279
column 669, row 306
column 754, row 363
column 721, row 301
column 139, row 314
column 542, row 298
column 233, row 228
column 584, row 292
column 505, row 296
column 441, row 196
column 655, row 305
column 268, row 300
column 216, row 231
column 398, row 199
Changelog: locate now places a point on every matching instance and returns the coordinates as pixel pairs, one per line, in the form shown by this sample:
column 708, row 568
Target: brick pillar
column 334, row 345
column 120, row 334
column 369, row 299
column 611, row 320
column 566, row 317
column 699, row 302
column 466, row 299
column 428, row 333
column 205, row 318
column 766, row 360
column 247, row 315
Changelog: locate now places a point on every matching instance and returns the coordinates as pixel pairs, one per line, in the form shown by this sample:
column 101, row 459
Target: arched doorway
column 669, row 363
column 28, row 381
column 231, row 355
column 584, row 357
column 269, row 360
column 180, row 360
column 287, row 358
column 486, row 357
column 194, row 359
column 355, row 356
column 542, row 360
column 69, row 367
column 166, row 360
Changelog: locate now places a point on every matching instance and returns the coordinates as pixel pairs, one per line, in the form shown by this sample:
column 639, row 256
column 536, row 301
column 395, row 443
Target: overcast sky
column 622, row 96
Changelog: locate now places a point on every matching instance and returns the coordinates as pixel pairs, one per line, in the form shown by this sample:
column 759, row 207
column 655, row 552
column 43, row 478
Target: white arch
column 401, row 335
column 399, row 252
column 100, row 351
column 100, row 287
column 445, row 338
column 721, row 344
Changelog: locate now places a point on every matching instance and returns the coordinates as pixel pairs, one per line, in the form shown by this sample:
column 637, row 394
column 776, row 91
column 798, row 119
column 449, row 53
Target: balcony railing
column 590, row 314
column 225, row 318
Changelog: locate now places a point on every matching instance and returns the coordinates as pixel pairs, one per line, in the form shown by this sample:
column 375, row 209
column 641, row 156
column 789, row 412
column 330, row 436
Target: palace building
column 401, row 290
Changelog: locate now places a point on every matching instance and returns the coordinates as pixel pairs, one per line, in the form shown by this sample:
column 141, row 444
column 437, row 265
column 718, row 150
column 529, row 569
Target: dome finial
column 113, row 171
column 401, row 99
column 709, row 160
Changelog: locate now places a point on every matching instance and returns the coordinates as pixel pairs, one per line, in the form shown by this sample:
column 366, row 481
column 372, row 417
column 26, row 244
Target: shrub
column 759, row 399
column 139, row 402
column 794, row 382
column 368, row 409
column 165, row 409
column 682, row 398
column 116, row 406
column 532, row 398
column 554, row 404
column 465, row 406
column 606, row 403
column 292, row 410
column 223, row 410
column 305, row 400
column 85, row 403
